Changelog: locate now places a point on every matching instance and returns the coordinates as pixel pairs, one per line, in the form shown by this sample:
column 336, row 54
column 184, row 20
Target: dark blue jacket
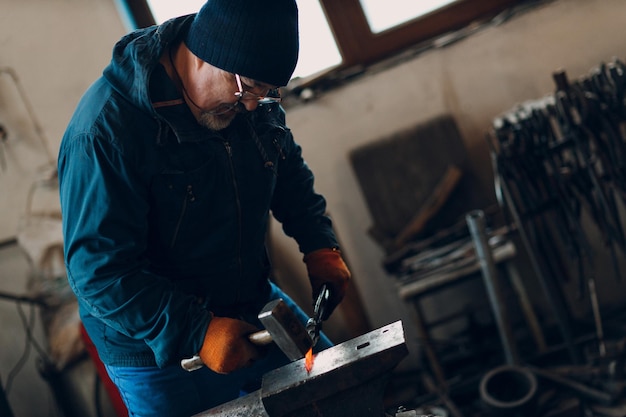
column 164, row 220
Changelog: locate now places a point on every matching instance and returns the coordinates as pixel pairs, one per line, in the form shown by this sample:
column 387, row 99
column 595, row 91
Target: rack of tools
column 560, row 171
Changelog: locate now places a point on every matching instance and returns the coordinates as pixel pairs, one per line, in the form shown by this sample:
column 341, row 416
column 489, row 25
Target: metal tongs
column 314, row 324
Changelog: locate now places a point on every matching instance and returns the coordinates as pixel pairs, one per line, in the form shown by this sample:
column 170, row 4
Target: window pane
column 318, row 50
column 166, row 9
column 385, row 14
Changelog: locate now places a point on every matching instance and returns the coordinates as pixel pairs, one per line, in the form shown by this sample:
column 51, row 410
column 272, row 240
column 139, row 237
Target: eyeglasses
column 246, row 95
column 242, row 95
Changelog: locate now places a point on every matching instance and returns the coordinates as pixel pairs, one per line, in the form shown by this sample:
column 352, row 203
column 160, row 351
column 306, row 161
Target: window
column 386, row 14
column 339, row 34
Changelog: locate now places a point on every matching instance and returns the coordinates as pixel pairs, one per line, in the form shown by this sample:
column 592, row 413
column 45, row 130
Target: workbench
column 433, row 270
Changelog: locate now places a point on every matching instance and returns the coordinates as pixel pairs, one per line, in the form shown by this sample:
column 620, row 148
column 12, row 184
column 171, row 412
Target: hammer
column 281, row 327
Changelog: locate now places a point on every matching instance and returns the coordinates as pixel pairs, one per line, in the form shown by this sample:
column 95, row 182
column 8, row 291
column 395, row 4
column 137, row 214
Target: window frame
column 349, row 26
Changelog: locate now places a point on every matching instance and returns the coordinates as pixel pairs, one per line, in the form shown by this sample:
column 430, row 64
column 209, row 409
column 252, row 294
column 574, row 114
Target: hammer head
column 285, row 329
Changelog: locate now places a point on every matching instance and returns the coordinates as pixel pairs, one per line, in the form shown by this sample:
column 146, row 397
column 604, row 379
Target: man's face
column 211, row 97
column 217, row 96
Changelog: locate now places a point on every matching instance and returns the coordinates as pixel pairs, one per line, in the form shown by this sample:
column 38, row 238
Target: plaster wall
column 55, row 49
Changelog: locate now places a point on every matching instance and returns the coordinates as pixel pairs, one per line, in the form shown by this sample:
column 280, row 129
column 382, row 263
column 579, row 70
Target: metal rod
column 427, row 343
column 550, row 290
column 595, row 305
column 22, row 298
column 527, row 308
column 585, row 391
column 476, row 223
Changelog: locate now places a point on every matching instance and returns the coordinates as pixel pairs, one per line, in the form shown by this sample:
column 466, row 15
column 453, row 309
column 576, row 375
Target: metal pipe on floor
column 476, row 224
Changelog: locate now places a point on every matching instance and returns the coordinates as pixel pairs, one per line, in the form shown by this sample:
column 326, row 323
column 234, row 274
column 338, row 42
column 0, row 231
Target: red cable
column 111, row 389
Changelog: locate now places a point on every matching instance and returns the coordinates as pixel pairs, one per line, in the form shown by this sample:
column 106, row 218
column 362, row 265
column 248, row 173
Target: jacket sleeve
column 104, row 201
column 301, row 211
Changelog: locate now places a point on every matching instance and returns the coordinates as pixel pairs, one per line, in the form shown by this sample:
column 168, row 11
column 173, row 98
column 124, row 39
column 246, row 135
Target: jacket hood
column 137, row 54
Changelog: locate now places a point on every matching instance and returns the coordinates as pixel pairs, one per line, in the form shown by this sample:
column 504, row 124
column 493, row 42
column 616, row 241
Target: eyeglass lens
column 247, row 95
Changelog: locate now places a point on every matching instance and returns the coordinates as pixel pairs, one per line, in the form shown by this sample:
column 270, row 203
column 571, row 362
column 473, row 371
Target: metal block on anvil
column 346, row 380
column 247, row 406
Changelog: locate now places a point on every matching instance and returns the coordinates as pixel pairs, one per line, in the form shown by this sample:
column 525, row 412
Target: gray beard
column 219, row 121
column 215, row 122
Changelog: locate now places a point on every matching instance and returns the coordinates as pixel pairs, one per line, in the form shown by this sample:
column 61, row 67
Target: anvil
column 347, row 380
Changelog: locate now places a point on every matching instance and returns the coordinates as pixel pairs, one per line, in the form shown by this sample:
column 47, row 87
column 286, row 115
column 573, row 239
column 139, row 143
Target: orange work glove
column 326, row 266
column 226, row 347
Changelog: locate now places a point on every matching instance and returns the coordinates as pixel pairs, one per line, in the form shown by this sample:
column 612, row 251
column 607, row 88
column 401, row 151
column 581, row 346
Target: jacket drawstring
column 267, row 163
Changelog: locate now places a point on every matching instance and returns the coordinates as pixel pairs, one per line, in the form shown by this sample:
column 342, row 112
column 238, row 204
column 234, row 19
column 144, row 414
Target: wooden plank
column 432, row 205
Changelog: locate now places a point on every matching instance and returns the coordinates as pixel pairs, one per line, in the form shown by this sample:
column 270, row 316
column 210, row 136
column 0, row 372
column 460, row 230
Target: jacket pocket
column 187, row 208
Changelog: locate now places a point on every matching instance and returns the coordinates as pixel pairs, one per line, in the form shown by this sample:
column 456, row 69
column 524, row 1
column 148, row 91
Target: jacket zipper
column 229, row 151
column 189, row 197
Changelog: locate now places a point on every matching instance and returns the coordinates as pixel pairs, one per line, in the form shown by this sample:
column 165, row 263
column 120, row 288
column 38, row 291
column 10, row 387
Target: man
column 168, row 171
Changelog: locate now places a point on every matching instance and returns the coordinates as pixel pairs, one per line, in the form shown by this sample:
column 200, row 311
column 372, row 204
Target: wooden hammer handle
column 260, row 338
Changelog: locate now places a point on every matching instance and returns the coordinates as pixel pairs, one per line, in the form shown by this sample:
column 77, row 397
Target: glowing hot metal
column 308, row 361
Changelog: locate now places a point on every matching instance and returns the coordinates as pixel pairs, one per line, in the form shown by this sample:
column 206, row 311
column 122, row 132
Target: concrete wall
column 58, row 47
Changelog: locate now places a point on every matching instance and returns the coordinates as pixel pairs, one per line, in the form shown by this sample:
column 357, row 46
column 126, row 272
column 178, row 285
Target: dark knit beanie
column 257, row 39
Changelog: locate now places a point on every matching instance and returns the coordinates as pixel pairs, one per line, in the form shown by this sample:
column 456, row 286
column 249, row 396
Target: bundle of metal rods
column 558, row 161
